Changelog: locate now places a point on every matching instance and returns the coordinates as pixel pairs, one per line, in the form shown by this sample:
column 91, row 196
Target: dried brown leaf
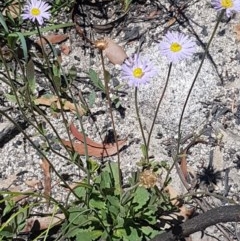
column 25, row 194
column 106, row 150
column 114, row 52
column 53, row 39
column 34, row 183
column 65, row 49
column 173, row 194
column 47, row 176
column 94, row 148
column 80, row 137
column 171, row 21
column 5, row 183
column 183, row 165
column 153, row 14
column 237, row 31
column 13, row 9
column 53, row 100
column 43, row 222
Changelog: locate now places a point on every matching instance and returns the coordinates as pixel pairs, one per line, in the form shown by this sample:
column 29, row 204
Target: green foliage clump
column 105, row 212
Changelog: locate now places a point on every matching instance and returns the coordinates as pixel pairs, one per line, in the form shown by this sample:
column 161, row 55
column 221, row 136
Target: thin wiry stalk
column 54, row 85
column 175, row 158
column 196, row 76
column 140, row 123
column 38, row 150
column 35, row 108
column 112, row 119
column 85, row 142
column 158, row 106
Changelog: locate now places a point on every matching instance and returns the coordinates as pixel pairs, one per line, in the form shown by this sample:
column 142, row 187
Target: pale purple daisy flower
column 137, row 70
column 176, row 46
column 231, row 6
column 36, row 10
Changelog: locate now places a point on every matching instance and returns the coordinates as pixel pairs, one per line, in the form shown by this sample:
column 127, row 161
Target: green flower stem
column 112, row 119
column 158, row 106
column 196, row 76
column 175, row 159
column 87, row 159
column 140, row 124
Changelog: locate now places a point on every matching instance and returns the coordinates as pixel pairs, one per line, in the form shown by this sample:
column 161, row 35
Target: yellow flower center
column 35, row 11
column 227, row 3
column 175, row 47
column 138, row 73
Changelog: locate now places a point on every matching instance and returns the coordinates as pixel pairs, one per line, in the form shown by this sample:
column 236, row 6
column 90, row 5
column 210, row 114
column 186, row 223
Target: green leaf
column 128, row 233
column 21, row 219
column 133, row 235
column 113, row 200
column 23, row 44
column 81, row 191
column 56, row 69
column 150, row 232
column 96, row 202
column 92, row 98
column 144, row 151
column 112, row 169
column 114, row 211
column 46, row 29
column 57, row 82
column 87, row 235
column 95, row 80
column 3, row 23
column 107, row 76
column 7, row 232
column 126, row 197
column 116, row 101
column 30, row 73
column 126, row 4
column 120, row 232
column 72, row 72
column 9, row 205
column 105, row 182
column 79, row 216
column 120, row 222
column 93, row 165
column 83, row 234
column 11, row 98
column 141, row 196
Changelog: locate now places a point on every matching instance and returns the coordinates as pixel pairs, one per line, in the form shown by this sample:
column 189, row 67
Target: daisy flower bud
column 137, row 70
column 36, row 10
column 176, row 46
column 231, row 6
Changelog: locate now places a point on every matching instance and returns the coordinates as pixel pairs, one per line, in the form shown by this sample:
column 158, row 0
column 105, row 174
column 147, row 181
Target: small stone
column 222, row 32
column 115, row 82
column 56, row 147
